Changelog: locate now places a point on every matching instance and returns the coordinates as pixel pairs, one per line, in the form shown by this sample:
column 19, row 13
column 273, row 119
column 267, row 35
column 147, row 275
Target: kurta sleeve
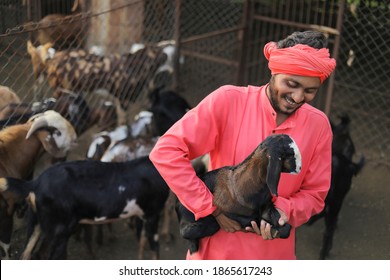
column 310, row 198
column 192, row 136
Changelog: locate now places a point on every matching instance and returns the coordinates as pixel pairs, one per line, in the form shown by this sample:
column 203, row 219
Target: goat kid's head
column 342, row 144
column 283, row 156
column 39, row 56
column 56, row 134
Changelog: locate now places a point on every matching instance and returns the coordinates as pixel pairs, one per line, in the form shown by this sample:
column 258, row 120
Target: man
column 231, row 121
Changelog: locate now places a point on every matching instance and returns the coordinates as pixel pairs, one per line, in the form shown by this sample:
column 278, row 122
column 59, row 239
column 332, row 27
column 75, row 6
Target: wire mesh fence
column 362, row 83
column 218, row 41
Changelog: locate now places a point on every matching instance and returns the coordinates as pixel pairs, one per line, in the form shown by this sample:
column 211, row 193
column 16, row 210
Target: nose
column 298, row 96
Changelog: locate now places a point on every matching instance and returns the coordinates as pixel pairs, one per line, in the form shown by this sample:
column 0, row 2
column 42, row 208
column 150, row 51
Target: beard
column 274, row 93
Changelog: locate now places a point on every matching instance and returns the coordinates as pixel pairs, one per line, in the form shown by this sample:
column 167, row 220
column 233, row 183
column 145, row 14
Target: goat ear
column 274, row 169
column 49, row 144
column 38, row 122
column 30, row 48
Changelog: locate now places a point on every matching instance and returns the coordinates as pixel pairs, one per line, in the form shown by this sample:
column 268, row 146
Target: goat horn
column 37, row 123
column 50, row 118
column 63, row 137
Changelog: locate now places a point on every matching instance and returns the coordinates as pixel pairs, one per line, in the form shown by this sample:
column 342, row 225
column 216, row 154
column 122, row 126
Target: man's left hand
column 265, row 228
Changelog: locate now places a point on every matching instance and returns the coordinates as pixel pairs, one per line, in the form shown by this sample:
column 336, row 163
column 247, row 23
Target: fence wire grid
column 219, row 42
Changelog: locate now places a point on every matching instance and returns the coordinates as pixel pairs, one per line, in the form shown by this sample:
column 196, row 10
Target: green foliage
column 370, row 3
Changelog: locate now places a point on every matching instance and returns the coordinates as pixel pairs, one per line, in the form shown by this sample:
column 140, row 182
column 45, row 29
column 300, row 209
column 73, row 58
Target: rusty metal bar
column 241, row 78
column 336, row 49
column 211, row 34
column 211, row 58
column 176, row 58
column 326, row 29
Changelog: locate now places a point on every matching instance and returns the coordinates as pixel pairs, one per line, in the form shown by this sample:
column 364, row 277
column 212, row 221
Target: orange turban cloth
column 300, row 60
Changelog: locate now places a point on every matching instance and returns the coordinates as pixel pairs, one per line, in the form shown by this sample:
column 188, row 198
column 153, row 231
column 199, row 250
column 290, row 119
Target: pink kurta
column 229, row 124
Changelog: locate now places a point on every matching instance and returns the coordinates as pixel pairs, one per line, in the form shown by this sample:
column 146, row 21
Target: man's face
column 288, row 92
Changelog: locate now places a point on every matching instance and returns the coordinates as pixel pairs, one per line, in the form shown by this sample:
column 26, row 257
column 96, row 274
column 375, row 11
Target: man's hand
column 265, row 228
column 226, row 223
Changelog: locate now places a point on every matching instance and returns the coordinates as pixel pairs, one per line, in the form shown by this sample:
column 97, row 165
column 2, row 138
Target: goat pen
column 220, row 42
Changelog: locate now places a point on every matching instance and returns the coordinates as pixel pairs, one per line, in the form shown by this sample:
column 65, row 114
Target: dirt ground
column 363, row 231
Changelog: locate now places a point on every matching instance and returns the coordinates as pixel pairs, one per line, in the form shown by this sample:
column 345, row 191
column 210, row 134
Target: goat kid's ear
column 274, row 169
column 49, row 144
column 30, row 48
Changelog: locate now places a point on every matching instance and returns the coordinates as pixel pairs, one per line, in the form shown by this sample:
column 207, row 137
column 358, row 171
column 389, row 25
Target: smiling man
column 231, row 121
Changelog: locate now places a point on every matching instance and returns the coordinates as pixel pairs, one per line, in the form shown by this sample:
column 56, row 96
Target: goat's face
column 38, row 57
column 342, row 144
column 167, row 108
column 56, row 134
column 283, row 156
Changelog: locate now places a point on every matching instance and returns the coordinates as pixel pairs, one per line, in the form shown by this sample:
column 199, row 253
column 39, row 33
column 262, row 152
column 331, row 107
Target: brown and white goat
column 244, row 192
column 9, row 102
column 21, row 146
column 7, row 96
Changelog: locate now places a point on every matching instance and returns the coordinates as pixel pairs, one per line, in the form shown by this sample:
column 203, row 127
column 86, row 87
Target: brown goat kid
column 7, row 96
column 244, row 192
column 21, row 146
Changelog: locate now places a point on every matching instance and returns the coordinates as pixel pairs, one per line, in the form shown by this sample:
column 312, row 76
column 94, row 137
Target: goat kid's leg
column 191, row 229
column 273, row 217
column 5, row 255
column 7, row 223
column 331, row 216
column 332, row 209
column 327, row 242
column 168, row 212
column 111, row 232
column 32, row 242
column 5, row 236
column 99, row 234
column 141, row 236
column 41, row 250
column 86, row 232
column 58, row 250
column 151, row 231
column 315, row 218
column 88, row 236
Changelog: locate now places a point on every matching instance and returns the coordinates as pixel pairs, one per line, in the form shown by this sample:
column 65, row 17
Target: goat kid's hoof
column 190, row 231
column 281, row 232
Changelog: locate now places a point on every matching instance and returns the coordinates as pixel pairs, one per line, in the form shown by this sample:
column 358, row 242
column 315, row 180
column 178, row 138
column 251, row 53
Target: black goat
column 343, row 170
column 244, row 192
column 167, row 108
column 90, row 192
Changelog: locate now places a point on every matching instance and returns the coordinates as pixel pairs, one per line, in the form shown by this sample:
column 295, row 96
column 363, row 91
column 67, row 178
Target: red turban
column 300, row 60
